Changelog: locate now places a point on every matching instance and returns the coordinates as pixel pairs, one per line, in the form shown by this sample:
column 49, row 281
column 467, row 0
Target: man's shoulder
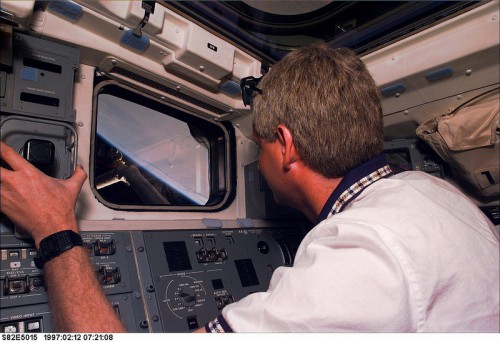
column 408, row 199
column 414, row 183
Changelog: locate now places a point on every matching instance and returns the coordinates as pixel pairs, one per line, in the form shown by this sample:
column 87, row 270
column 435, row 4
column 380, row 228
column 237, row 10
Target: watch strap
column 56, row 244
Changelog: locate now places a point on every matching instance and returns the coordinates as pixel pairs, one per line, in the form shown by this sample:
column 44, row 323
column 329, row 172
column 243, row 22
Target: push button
column 9, row 328
column 33, row 326
column 192, row 322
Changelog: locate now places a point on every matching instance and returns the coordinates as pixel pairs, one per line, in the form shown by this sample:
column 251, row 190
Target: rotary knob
column 188, row 297
column 184, row 295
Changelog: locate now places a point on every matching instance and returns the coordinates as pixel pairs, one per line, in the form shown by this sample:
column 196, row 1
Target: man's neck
column 315, row 191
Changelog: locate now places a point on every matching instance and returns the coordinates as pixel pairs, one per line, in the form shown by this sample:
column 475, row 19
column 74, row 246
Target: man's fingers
column 11, row 157
column 4, row 172
column 78, row 177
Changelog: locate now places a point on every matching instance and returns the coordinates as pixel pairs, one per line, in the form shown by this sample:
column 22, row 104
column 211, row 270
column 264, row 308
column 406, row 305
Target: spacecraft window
column 153, row 156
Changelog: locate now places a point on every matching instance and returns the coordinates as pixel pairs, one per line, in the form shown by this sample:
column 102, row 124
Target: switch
column 104, row 248
column 222, row 301
column 211, row 255
column 263, row 247
column 36, row 284
column 116, row 307
column 89, row 247
column 192, row 322
column 16, row 286
column 109, row 276
column 210, row 241
column 33, row 326
column 9, row 328
column 15, row 264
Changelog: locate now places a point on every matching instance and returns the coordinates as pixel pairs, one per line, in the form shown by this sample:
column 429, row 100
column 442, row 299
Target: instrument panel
column 157, row 281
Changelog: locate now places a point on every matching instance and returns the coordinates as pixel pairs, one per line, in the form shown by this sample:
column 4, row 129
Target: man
column 404, row 252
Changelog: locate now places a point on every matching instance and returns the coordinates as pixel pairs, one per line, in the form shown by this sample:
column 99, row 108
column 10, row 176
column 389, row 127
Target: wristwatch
column 56, row 244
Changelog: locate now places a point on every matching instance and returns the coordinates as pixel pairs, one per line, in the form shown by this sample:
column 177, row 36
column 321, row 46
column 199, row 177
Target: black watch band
column 56, row 244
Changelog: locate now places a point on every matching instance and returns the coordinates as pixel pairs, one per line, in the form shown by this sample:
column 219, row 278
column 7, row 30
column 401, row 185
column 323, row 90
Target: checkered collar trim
column 353, row 183
column 354, row 190
column 218, row 325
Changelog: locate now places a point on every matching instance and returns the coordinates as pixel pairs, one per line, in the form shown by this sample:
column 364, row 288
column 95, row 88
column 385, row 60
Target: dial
column 184, row 295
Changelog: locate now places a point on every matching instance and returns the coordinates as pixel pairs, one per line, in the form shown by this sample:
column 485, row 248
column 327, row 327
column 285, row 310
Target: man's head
column 330, row 104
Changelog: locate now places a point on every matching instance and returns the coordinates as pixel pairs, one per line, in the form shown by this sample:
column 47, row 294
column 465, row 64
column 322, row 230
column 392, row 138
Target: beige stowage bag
column 468, row 140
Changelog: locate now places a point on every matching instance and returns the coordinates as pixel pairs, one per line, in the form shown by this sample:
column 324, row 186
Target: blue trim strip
column 67, row 9
column 437, row 74
column 393, row 89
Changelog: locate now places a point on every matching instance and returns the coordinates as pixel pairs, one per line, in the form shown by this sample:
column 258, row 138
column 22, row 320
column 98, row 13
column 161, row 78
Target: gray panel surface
column 41, row 81
column 169, row 281
column 191, row 292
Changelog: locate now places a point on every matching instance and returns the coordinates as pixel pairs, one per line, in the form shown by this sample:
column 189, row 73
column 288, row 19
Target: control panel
column 158, row 281
column 197, row 275
column 24, row 299
column 413, row 154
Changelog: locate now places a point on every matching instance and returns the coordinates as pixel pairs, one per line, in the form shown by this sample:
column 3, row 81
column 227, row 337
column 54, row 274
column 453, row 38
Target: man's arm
column 42, row 206
column 76, row 298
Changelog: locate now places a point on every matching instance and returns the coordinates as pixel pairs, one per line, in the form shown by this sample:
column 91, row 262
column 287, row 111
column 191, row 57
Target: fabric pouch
column 468, row 140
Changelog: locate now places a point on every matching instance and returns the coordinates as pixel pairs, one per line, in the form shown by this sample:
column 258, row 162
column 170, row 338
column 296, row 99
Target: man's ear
column 288, row 151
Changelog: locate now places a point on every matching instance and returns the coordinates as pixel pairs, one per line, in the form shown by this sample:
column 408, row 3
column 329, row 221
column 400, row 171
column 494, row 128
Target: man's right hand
column 35, row 202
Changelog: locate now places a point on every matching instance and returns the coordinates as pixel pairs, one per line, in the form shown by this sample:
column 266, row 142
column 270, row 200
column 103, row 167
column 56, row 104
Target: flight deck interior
column 147, row 97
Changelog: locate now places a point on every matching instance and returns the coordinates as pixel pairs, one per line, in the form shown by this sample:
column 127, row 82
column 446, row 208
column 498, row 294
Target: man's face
column 270, row 166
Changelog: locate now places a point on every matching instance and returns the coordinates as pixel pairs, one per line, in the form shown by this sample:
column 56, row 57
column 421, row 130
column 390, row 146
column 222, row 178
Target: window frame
column 221, row 152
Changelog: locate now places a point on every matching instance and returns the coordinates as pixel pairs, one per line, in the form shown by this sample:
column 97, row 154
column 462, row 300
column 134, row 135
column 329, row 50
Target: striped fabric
column 218, row 325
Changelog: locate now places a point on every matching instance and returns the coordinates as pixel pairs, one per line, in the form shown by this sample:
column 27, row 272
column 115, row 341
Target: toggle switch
column 21, row 285
column 109, row 276
column 36, row 284
column 104, row 248
column 16, row 286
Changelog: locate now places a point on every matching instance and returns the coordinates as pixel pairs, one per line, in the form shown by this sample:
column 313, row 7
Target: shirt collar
column 353, row 183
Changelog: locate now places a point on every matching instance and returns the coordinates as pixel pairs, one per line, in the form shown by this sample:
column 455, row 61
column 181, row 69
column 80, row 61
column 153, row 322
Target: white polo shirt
column 409, row 253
